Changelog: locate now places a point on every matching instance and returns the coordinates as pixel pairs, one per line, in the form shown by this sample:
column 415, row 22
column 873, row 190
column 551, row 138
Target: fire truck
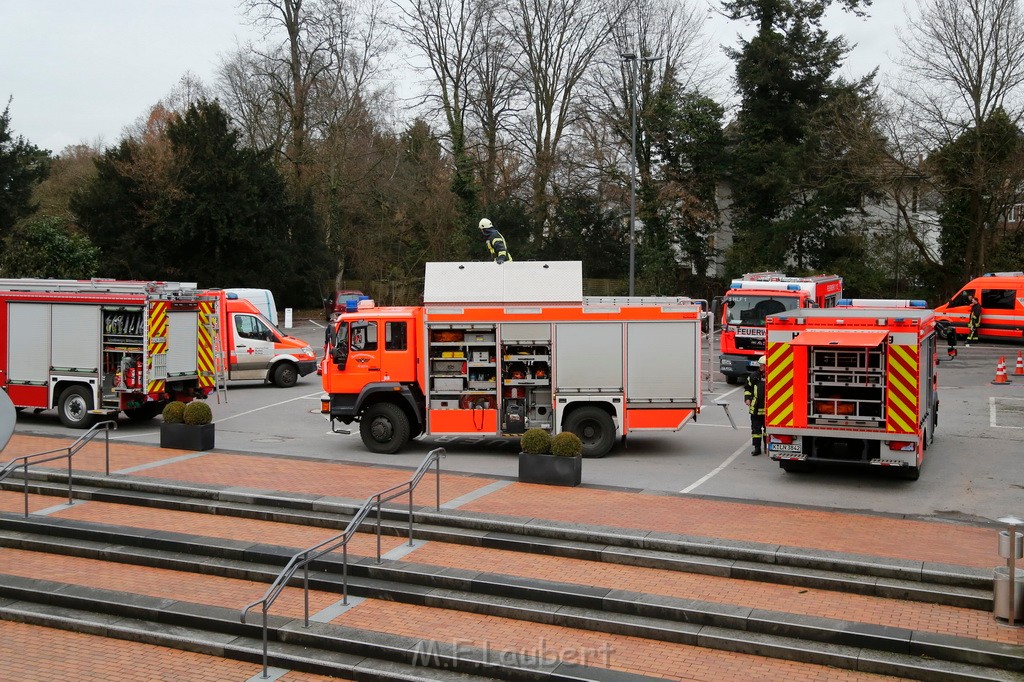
column 94, row 347
column 498, row 349
column 853, row 384
column 751, row 299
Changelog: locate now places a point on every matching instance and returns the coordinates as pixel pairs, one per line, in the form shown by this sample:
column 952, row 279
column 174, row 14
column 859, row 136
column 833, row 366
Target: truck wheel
column 285, row 375
column 793, row 467
column 912, row 473
column 594, row 427
column 729, row 379
column 384, row 428
column 73, row 408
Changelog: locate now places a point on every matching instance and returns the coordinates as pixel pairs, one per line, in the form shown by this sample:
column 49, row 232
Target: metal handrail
column 59, row 453
column 304, row 558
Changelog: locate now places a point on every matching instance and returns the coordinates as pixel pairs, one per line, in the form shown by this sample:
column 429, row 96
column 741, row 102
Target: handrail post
column 305, row 589
column 344, row 574
column 107, row 439
column 378, row 527
column 437, row 477
column 266, row 673
column 25, row 487
column 70, row 501
column 410, row 515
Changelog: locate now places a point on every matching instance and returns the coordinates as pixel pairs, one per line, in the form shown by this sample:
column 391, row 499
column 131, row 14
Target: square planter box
column 187, row 436
column 550, row 469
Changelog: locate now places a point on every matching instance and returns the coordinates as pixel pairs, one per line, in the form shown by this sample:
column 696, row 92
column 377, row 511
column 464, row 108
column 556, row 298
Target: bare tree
column 445, row 32
column 964, row 65
column 247, row 93
column 558, row 41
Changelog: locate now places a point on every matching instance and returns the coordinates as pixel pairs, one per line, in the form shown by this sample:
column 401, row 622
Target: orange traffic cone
column 1001, row 377
column 1020, row 363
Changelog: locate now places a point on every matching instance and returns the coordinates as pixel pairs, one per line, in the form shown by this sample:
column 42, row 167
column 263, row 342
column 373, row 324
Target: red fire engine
column 755, row 296
column 854, row 384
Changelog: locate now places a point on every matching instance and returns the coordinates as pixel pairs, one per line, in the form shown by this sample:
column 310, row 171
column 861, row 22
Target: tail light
column 901, row 446
column 325, row 405
column 780, row 439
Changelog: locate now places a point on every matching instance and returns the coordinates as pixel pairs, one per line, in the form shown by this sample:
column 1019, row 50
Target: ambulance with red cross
column 855, row 384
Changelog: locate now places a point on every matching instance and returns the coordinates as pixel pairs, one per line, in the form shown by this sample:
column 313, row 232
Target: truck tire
column 794, row 467
column 384, row 428
column 730, row 379
column 73, row 408
column 285, row 375
column 912, row 473
column 594, row 427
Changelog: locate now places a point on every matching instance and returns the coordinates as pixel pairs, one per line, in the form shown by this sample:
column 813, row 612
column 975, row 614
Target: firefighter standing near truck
column 753, row 398
column 974, row 321
column 495, row 242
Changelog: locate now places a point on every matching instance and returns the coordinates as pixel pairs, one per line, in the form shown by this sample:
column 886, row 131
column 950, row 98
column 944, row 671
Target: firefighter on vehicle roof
column 753, row 398
column 495, row 242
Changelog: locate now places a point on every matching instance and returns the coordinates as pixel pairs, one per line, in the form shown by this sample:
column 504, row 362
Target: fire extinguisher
column 130, row 379
column 138, row 373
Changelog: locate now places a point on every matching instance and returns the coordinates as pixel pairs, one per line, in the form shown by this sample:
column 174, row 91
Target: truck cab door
column 363, row 365
column 253, row 347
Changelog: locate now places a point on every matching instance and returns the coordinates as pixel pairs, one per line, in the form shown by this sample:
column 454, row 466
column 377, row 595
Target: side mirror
column 340, row 355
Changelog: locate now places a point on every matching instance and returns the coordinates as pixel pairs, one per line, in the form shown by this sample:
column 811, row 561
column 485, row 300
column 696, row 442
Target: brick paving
column 524, row 640
column 789, row 599
column 882, row 536
column 865, row 534
column 672, row 661
column 28, row 655
column 785, row 598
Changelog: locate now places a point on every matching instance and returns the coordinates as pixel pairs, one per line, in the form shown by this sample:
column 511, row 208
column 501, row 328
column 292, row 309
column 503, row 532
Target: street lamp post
column 631, row 59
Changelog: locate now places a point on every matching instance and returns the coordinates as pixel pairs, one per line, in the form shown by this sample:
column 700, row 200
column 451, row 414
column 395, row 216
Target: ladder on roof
column 220, row 361
column 184, row 290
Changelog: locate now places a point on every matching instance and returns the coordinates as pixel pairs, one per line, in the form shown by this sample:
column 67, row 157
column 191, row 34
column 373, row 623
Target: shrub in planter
column 174, row 412
column 187, row 427
column 563, row 466
column 197, row 413
column 567, row 444
column 535, row 442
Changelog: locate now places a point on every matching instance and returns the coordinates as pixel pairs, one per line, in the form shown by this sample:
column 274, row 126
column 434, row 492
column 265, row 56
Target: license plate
column 784, row 447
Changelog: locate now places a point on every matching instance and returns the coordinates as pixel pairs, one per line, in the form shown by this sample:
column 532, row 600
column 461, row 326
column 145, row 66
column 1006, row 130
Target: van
column 1002, row 306
column 263, row 299
column 256, row 348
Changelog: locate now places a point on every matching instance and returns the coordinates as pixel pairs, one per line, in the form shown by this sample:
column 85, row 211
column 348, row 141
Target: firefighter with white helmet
column 495, row 242
column 753, row 398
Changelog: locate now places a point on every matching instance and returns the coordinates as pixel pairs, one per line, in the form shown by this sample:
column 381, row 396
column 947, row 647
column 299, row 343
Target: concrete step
column 886, row 577
column 763, row 632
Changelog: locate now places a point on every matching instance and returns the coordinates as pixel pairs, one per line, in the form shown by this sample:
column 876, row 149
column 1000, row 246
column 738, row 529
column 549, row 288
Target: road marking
column 265, row 407
column 729, row 393
column 159, row 463
column 722, row 466
column 992, row 421
column 475, row 494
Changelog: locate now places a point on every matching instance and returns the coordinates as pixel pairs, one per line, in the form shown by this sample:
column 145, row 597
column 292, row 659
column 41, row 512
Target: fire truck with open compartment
column 854, row 384
column 91, row 347
column 498, row 349
column 751, row 299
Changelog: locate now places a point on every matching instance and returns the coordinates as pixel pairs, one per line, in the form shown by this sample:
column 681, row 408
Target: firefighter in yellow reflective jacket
column 974, row 321
column 495, row 242
column 753, row 398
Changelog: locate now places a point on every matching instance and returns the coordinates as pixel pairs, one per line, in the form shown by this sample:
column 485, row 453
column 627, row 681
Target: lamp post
column 631, row 59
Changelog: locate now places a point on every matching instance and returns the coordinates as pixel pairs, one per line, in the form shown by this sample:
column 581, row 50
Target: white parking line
column 720, row 467
column 992, row 421
column 266, row 407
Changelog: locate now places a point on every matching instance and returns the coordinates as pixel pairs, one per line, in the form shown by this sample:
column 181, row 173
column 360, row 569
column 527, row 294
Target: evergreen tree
column 785, row 208
column 22, row 167
column 48, row 247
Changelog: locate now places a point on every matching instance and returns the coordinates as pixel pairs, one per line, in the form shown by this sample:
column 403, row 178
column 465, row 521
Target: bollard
column 1008, row 593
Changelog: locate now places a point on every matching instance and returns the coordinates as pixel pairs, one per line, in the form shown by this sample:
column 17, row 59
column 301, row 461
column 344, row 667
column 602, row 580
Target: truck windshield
column 752, row 310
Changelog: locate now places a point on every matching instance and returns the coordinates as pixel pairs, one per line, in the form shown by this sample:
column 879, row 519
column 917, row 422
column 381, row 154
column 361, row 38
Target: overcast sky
column 81, row 71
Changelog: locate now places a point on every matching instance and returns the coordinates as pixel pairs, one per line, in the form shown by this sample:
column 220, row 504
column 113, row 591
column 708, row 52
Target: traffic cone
column 1020, row 363
column 1001, row 377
